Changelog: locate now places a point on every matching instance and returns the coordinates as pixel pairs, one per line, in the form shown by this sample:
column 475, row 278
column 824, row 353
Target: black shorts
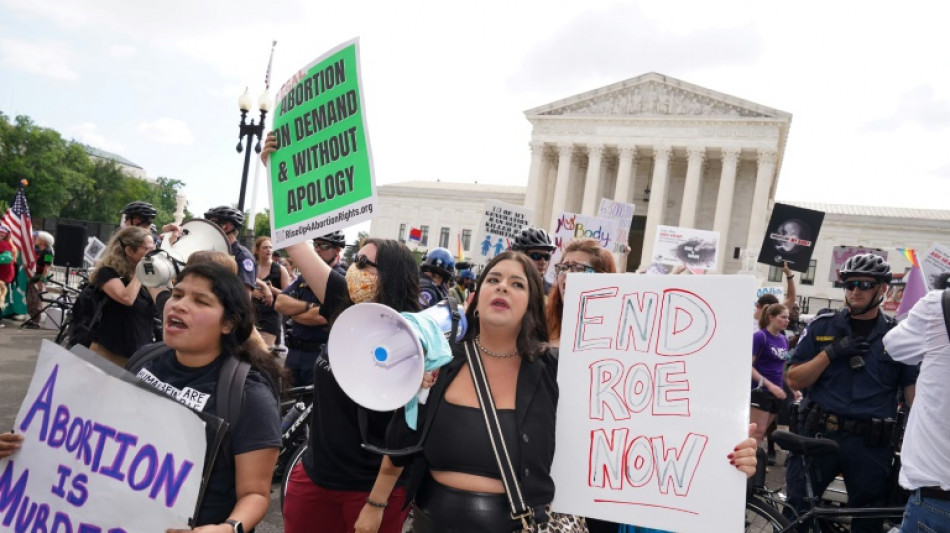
column 766, row 401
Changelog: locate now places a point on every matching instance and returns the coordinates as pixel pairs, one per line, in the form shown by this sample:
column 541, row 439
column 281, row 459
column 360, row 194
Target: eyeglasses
column 324, row 246
column 362, row 262
column 538, row 256
column 564, row 268
column 864, row 285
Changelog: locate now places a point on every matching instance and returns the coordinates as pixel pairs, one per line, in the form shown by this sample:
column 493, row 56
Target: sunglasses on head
column 864, row 285
column 563, row 268
column 537, row 256
column 323, row 246
column 362, row 262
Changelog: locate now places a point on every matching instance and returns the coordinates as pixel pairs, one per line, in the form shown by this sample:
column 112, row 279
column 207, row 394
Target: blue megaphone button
column 381, row 354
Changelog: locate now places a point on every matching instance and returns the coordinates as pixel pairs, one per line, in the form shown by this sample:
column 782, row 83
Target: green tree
column 351, row 249
column 262, row 223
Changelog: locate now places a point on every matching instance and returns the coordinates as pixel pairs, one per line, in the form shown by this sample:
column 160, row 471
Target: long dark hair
column 533, row 334
column 238, row 310
column 398, row 275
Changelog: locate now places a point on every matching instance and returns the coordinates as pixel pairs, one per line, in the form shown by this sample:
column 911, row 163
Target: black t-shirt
column 267, row 318
column 123, row 329
column 258, row 427
column 336, row 459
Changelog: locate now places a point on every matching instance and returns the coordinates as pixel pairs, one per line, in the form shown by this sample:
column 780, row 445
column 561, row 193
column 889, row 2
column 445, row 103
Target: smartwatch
column 238, row 527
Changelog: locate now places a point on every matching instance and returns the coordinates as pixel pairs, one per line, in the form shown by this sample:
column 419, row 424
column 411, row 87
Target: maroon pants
column 309, row 508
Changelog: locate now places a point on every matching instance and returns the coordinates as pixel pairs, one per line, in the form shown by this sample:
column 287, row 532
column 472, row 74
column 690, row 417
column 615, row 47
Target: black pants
column 442, row 509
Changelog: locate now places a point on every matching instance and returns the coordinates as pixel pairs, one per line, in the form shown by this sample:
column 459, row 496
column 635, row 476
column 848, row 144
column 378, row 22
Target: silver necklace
column 491, row 353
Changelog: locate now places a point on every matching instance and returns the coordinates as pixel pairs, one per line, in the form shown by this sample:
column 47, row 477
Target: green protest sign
column 321, row 176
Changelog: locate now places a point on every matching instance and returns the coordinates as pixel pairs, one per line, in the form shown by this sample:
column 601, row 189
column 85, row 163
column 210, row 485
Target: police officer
column 231, row 220
column 438, row 267
column 309, row 330
column 464, row 285
column 852, row 390
column 142, row 214
column 536, row 244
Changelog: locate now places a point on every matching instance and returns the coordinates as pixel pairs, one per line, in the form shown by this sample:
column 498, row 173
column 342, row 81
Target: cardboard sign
column 321, row 176
column 573, row 226
column 499, row 225
column 790, row 237
column 652, row 400
column 933, row 263
column 99, row 454
column 841, row 254
column 623, row 214
column 694, row 248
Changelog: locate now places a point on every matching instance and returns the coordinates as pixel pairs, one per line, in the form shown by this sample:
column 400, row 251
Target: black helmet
column 440, row 261
column 139, row 209
column 226, row 214
column 336, row 239
column 532, row 238
column 870, row 265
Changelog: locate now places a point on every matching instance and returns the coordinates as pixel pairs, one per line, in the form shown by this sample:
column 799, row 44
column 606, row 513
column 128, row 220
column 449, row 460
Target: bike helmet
column 532, row 238
column 336, row 239
column 870, row 265
column 139, row 209
column 439, row 261
column 467, row 274
column 226, row 214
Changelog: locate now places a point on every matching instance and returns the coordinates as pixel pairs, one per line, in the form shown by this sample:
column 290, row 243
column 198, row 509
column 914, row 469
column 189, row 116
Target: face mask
column 360, row 284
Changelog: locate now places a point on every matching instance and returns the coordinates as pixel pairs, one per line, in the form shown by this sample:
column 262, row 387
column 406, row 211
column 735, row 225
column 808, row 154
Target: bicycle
column 64, row 302
column 295, row 434
column 819, row 518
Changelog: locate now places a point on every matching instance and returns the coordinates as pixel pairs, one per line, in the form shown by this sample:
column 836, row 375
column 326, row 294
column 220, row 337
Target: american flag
column 17, row 218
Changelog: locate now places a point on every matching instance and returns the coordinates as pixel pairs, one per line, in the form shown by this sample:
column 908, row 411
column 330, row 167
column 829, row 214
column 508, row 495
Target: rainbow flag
column 911, row 256
column 461, row 253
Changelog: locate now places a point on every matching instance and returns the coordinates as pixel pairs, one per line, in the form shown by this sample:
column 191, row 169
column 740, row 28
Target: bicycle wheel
column 294, row 459
column 760, row 517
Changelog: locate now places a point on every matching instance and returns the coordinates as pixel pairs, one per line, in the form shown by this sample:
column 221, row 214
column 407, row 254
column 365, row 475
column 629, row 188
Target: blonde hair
column 114, row 255
column 210, row 256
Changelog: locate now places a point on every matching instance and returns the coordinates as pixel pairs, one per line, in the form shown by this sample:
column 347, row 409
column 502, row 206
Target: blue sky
column 446, row 85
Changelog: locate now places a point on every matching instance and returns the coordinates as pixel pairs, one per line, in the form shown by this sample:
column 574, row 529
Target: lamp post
column 250, row 130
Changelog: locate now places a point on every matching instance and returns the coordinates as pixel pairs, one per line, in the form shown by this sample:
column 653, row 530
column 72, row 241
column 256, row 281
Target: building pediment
column 654, row 94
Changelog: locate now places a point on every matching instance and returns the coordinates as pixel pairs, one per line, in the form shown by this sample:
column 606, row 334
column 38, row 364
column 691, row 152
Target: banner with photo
column 693, row 248
column 935, row 262
column 790, row 237
column 500, row 223
column 841, row 254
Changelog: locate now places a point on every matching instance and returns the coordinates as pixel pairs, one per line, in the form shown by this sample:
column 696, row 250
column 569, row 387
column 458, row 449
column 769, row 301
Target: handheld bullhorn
column 160, row 266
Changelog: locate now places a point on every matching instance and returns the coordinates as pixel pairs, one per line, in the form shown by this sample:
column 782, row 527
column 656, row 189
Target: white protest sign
column 499, row 225
column 572, row 226
column 99, row 454
column 935, row 262
column 693, row 248
column 654, row 394
column 623, row 214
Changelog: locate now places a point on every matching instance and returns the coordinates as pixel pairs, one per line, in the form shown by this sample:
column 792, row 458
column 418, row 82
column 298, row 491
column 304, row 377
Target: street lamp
column 250, row 130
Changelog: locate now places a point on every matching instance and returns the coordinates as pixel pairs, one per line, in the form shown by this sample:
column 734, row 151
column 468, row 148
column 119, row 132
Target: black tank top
column 458, row 440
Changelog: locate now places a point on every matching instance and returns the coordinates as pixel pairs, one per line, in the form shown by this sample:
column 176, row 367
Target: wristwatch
column 238, row 527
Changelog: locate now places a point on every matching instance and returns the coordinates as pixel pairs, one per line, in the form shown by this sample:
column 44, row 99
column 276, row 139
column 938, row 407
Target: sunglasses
column 362, row 262
column 864, row 285
column 564, row 268
column 537, row 256
column 324, row 246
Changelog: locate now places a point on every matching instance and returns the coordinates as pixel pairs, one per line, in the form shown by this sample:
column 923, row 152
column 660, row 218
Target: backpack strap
column 229, row 399
column 945, row 303
column 144, row 356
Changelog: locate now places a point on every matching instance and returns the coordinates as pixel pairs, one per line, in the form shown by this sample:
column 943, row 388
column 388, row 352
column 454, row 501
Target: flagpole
column 257, row 163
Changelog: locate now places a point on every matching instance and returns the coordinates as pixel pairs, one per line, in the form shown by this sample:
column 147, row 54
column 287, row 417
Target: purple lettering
column 80, row 493
column 61, row 519
column 64, row 473
column 125, row 440
column 104, row 432
column 11, row 494
column 44, row 403
column 57, row 434
column 146, row 453
column 171, row 480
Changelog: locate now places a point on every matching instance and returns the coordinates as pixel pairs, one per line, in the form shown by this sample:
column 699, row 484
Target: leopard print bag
column 561, row 523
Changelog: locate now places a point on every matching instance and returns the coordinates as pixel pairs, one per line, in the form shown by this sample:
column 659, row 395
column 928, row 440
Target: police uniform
column 852, row 408
column 304, row 342
column 430, row 293
column 246, row 265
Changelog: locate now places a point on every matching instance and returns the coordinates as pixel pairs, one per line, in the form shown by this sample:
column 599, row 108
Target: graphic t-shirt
column 257, row 428
column 771, row 352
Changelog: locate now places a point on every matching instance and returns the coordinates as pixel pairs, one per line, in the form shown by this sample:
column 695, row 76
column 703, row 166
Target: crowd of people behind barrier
column 443, row 467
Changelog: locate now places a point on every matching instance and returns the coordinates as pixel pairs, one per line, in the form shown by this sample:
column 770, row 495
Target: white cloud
column 122, row 50
column 88, row 133
column 167, row 131
column 49, row 59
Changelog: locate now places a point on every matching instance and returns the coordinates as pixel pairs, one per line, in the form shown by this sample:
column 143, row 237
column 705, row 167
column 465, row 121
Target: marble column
column 694, row 172
column 625, row 178
column 760, row 199
column 658, row 186
column 592, row 182
column 565, row 152
column 727, row 189
column 535, row 191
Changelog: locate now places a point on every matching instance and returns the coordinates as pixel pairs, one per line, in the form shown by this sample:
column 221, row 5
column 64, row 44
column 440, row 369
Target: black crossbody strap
column 519, row 510
column 945, row 302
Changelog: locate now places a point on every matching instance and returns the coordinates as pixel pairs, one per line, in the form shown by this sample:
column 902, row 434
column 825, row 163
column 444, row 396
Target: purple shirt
column 770, row 353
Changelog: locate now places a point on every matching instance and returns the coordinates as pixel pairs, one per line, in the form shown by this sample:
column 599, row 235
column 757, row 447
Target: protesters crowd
column 831, row 377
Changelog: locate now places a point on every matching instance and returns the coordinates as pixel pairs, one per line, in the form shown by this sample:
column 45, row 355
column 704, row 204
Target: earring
column 476, row 313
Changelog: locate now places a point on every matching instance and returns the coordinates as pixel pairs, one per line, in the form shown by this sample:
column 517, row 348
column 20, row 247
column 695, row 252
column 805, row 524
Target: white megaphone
column 376, row 355
column 160, row 266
